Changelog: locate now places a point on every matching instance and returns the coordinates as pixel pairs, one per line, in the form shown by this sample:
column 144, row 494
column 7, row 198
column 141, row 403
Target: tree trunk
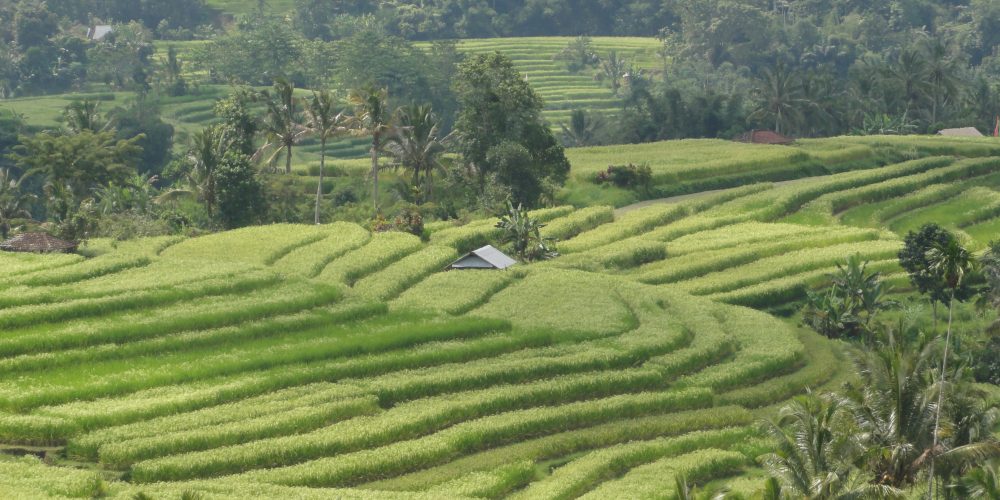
column 934, row 309
column 375, row 145
column 416, row 185
column 934, row 110
column 430, row 184
column 319, row 186
column 940, row 401
column 210, row 197
column 288, row 159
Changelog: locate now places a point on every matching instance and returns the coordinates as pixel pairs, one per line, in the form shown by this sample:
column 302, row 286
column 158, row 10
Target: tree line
column 92, row 177
column 804, row 68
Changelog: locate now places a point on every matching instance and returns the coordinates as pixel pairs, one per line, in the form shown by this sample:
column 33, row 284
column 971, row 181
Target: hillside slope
column 318, row 361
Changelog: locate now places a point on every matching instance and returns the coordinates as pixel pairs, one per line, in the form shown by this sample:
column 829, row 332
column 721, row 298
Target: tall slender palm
column 781, row 98
column 418, row 145
column 950, row 262
column 373, row 117
column 282, row 123
column 325, row 121
column 13, row 203
column 909, row 76
column 942, row 76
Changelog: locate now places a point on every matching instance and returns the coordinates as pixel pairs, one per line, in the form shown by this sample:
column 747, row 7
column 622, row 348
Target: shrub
column 630, row 176
column 409, row 220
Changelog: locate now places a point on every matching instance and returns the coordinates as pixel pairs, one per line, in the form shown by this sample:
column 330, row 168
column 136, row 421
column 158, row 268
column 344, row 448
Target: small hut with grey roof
column 961, row 132
column 487, row 257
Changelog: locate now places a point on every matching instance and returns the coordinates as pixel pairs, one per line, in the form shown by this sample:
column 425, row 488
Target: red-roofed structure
column 765, row 137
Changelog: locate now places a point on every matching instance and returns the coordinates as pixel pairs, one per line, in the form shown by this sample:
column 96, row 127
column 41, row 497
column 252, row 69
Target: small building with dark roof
column 765, row 137
column 961, row 132
column 37, row 243
column 487, row 257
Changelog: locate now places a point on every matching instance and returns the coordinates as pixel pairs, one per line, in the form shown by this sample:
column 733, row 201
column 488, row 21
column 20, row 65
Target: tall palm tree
column 13, row 203
column 324, row 120
column 282, row 123
column 942, row 76
column 909, row 76
column 950, row 262
column 373, row 117
column 781, row 98
column 418, row 145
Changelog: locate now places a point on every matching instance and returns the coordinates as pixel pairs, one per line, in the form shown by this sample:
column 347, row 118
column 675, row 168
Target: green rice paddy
column 325, row 361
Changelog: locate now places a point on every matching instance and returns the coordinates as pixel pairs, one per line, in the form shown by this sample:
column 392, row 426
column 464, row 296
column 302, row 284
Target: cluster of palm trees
column 410, row 134
column 919, row 85
column 883, row 434
column 911, row 416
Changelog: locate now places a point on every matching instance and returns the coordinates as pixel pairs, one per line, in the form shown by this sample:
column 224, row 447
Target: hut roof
column 37, row 243
column 961, row 132
column 486, row 257
column 765, row 137
column 99, row 31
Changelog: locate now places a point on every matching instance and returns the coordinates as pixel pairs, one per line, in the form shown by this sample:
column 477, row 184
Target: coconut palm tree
column 951, row 263
column 613, row 68
column 781, row 98
column 812, row 459
column 942, row 76
column 13, row 203
column 85, row 116
column 373, row 118
column 418, row 145
column 909, row 76
column 207, row 150
column 323, row 120
column 282, row 123
column 982, row 483
column 893, row 410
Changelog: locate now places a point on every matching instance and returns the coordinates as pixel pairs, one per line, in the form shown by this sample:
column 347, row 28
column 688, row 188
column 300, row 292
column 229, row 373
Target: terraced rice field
column 324, row 361
column 564, row 91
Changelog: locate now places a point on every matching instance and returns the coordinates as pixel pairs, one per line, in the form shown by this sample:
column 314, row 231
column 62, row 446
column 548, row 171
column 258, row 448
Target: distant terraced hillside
column 563, row 91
